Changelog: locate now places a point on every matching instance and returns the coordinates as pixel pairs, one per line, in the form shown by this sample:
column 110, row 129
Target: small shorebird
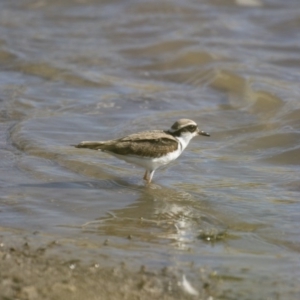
column 150, row 149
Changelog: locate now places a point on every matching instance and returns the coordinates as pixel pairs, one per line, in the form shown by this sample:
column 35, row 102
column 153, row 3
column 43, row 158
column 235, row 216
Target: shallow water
column 85, row 70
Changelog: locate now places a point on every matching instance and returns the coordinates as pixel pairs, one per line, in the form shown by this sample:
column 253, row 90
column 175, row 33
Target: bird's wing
column 147, row 135
column 154, row 143
column 94, row 145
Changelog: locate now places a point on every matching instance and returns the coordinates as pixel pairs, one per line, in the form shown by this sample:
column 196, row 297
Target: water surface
column 85, row 70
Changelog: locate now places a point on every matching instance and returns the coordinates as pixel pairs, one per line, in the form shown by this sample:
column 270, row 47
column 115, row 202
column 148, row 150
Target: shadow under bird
column 150, row 149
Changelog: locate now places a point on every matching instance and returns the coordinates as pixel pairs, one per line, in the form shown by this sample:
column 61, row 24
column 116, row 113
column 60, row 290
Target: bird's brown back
column 154, row 143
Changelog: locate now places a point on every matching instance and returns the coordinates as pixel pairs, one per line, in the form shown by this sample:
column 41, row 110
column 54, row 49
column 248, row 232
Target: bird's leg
column 150, row 176
column 146, row 175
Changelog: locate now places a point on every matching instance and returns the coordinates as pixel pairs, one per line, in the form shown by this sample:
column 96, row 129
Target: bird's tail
column 94, row 145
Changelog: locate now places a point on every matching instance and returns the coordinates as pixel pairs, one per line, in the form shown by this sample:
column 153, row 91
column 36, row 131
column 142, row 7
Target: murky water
column 84, row 70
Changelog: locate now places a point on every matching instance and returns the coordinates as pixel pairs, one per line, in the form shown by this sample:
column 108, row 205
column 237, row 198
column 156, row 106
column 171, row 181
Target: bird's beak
column 203, row 133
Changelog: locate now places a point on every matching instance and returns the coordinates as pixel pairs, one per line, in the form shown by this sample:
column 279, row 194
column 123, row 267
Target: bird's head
column 186, row 129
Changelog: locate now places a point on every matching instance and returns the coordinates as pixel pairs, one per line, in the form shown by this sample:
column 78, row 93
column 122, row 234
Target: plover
column 150, row 149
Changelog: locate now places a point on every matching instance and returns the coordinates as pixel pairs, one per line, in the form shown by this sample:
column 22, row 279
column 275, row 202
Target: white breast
column 185, row 138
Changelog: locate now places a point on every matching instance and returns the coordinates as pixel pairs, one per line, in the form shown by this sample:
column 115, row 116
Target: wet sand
column 32, row 271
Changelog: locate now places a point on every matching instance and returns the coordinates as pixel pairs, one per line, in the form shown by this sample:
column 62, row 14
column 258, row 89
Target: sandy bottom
column 32, row 272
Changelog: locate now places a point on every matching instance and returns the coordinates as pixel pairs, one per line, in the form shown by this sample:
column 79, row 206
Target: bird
column 150, row 149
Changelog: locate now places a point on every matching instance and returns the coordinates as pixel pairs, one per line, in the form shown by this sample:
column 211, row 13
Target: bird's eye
column 192, row 127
